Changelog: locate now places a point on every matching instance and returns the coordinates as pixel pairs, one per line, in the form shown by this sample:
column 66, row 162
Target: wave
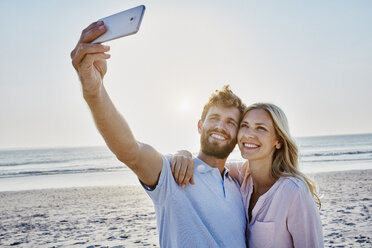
column 59, row 161
column 337, row 160
column 39, row 162
column 338, row 153
column 54, row 172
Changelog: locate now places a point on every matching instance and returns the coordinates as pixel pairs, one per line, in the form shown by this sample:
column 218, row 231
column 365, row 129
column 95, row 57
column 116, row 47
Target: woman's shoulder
column 294, row 185
column 238, row 170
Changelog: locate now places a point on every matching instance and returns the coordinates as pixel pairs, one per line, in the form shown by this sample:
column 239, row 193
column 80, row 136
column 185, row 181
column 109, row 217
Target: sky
column 311, row 58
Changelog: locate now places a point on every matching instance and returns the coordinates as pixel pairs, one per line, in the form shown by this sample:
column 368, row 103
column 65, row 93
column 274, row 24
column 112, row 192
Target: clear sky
column 312, row 58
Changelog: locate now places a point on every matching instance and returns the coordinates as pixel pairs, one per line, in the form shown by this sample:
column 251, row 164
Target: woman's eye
column 261, row 128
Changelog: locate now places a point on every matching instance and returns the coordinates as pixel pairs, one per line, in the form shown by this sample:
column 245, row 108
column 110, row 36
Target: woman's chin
column 246, row 156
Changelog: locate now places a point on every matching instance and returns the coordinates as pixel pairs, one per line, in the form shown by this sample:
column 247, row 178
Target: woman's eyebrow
column 260, row 123
column 256, row 123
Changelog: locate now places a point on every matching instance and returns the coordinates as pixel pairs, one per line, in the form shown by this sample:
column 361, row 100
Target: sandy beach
column 124, row 216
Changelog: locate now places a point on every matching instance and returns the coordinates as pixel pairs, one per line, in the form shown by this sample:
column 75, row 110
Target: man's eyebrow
column 232, row 119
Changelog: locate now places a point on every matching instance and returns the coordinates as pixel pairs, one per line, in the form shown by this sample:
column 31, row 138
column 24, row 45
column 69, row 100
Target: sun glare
column 184, row 105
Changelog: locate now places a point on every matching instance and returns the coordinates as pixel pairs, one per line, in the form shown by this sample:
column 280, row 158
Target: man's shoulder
column 165, row 178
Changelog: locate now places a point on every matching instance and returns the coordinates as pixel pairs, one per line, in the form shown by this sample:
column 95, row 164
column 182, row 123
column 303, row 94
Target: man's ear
column 200, row 124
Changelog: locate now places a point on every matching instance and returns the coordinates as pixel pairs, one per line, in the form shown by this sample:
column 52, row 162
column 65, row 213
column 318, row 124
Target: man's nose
column 221, row 125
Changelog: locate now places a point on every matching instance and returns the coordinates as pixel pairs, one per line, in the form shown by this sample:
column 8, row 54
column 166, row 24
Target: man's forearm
column 89, row 61
column 113, row 127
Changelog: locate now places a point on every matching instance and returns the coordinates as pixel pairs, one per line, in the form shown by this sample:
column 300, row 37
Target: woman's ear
column 278, row 145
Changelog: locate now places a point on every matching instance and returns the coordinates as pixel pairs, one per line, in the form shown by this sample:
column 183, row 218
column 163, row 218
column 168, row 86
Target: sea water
column 332, row 153
column 97, row 166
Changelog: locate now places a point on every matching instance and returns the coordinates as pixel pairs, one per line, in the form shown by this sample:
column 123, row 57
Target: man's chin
column 213, row 141
column 218, row 145
column 216, row 148
column 216, row 154
column 221, row 152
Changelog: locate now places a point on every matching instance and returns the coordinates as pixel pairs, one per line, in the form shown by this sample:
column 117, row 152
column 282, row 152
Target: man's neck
column 213, row 161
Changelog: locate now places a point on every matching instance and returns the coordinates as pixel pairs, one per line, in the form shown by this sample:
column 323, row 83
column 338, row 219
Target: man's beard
column 213, row 149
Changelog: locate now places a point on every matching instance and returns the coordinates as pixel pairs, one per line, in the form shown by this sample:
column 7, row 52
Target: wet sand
column 124, row 216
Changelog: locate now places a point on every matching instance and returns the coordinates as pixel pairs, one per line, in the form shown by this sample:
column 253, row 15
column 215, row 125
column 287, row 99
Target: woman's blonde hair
column 285, row 159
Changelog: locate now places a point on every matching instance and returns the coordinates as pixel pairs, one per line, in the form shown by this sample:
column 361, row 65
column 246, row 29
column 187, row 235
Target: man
column 209, row 214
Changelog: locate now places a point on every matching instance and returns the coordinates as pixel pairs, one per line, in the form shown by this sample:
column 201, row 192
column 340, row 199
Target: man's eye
column 232, row 123
column 243, row 125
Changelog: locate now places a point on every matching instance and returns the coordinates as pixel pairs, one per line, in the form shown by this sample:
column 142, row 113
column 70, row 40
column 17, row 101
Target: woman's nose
column 249, row 133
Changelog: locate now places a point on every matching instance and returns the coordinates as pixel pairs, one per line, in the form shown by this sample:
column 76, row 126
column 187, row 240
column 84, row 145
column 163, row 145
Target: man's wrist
column 92, row 94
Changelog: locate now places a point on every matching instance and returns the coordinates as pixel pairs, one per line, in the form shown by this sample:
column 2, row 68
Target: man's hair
column 224, row 98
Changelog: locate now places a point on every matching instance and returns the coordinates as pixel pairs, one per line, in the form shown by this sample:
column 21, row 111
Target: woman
column 279, row 199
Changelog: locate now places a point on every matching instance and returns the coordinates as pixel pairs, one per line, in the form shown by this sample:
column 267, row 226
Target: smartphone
column 121, row 24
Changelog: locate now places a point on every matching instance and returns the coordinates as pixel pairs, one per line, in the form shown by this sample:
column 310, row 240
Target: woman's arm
column 238, row 170
column 182, row 166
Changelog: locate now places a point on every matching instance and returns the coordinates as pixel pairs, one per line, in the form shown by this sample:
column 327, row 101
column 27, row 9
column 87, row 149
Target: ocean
column 97, row 166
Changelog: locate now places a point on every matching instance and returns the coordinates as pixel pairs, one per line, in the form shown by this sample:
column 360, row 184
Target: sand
column 346, row 208
column 125, row 217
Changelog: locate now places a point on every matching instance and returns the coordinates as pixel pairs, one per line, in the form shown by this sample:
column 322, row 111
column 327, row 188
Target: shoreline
column 124, row 215
column 72, row 180
column 103, row 179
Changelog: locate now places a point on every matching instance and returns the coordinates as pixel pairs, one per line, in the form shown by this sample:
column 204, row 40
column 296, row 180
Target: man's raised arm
column 89, row 60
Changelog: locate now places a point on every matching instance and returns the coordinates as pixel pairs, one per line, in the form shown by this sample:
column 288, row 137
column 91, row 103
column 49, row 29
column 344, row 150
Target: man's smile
column 218, row 136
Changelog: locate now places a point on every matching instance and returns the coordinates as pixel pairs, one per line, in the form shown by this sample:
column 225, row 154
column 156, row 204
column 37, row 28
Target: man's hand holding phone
column 89, row 60
column 89, row 56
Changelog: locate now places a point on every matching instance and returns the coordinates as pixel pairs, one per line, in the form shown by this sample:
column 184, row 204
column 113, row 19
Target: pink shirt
column 285, row 216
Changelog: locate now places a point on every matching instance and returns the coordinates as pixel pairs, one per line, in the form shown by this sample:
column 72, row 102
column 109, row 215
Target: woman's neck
column 261, row 176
